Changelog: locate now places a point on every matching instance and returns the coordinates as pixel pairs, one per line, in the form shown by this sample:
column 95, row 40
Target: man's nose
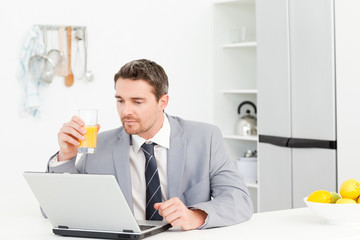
column 127, row 109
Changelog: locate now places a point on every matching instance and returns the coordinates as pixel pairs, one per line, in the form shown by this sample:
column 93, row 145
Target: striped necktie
column 153, row 189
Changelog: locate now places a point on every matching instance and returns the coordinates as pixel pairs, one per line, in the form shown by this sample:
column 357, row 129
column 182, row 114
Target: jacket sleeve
column 68, row 166
column 230, row 200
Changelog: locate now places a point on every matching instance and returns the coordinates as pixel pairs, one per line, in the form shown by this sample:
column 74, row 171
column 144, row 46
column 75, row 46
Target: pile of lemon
column 349, row 193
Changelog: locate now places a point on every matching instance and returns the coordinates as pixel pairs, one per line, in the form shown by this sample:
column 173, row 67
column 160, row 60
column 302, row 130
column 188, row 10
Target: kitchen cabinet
column 235, row 73
column 300, row 92
column 347, row 53
column 300, row 88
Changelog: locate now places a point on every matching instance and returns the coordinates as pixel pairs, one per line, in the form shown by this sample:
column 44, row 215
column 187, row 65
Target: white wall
column 176, row 34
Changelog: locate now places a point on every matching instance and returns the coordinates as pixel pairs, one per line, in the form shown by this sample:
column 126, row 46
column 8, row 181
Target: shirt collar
column 162, row 137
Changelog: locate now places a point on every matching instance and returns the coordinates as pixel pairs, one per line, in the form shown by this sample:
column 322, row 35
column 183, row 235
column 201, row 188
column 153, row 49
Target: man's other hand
column 178, row 215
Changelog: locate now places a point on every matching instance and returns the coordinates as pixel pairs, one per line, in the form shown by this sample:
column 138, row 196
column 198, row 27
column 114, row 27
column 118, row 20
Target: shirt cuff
column 206, row 221
column 54, row 161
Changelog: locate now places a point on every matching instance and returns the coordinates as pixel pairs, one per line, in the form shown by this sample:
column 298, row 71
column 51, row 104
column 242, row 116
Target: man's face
column 139, row 111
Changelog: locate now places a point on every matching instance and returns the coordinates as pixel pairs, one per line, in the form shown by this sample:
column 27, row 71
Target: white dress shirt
column 137, row 167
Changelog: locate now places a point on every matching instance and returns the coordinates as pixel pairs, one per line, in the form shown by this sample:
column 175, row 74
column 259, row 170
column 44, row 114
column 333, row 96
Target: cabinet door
column 273, row 103
column 313, row 169
column 273, row 68
column 347, row 90
column 275, row 180
column 312, row 69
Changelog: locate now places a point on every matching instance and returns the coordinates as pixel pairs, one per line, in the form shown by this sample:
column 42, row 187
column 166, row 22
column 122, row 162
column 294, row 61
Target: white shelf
column 252, row 185
column 239, row 45
column 240, row 91
column 244, row 138
column 235, row 74
column 235, row 2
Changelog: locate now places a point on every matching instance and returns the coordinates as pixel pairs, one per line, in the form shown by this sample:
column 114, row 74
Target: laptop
column 87, row 205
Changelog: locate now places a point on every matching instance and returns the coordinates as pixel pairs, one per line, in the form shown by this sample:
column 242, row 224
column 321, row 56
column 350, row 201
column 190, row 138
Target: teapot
column 247, row 124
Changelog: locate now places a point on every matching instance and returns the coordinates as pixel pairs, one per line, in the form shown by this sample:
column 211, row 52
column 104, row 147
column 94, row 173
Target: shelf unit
column 252, row 185
column 239, row 45
column 240, row 2
column 240, row 91
column 235, row 75
column 244, row 138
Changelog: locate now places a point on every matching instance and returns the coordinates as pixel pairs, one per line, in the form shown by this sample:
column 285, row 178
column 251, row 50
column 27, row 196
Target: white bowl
column 337, row 214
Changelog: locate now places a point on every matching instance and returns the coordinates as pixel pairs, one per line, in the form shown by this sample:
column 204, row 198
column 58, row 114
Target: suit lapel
column 122, row 165
column 175, row 159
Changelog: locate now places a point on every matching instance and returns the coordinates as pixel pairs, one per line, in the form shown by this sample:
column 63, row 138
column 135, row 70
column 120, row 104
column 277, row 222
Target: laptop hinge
column 63, row 227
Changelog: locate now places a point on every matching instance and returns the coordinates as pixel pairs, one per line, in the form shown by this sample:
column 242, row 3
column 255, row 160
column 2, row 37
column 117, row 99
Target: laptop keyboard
column 145, row 227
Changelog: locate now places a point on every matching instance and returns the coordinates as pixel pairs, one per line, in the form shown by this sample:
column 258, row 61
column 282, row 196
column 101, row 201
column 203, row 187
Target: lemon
column 345, row 201
column 350, row 189
column 335, row 197
column 320, row 196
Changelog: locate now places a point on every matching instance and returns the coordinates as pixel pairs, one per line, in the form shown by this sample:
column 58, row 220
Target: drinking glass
column 89, row 116
column 238, row 34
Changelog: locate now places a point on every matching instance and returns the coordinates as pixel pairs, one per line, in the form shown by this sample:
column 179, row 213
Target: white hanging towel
column 33, row 45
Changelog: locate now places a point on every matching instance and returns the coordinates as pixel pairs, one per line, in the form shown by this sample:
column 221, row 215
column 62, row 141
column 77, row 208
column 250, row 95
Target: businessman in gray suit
column 191, row 183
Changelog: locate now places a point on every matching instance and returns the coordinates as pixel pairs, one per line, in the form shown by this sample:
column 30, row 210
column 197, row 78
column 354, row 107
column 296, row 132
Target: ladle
column 89, row 75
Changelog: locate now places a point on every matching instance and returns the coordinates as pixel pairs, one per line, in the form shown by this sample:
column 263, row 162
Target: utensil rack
column 56, row 27
column 79, row 41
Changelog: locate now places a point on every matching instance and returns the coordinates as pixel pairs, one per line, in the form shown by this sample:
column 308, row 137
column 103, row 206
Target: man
column 192, row 183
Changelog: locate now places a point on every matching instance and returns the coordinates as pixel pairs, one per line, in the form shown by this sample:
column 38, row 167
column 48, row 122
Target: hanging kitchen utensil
column 54, row 54
column 62, row 70
column 246, row 125
column 40, row 67
column 89, row 75
column 56, row 57
column 79, row 68
column 69, row 79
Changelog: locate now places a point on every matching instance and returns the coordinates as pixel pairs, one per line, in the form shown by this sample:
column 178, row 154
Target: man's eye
column 138, row 102
column 120, row 101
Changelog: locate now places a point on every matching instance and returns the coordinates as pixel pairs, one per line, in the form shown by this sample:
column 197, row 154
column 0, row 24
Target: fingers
column 177, row 214
column 166, row 206
column 74, row 128
column 157, row 205
column 71, row 132
column 69, row 137
column 171, row 217
column 171, row 209
column 66, row 138
column 78, row 120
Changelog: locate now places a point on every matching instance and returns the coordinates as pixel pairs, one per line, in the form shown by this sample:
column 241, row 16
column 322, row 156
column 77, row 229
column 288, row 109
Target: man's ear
column 163, row 102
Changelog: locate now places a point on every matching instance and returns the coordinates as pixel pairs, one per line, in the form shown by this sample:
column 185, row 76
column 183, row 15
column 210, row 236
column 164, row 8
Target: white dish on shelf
column 336, row 214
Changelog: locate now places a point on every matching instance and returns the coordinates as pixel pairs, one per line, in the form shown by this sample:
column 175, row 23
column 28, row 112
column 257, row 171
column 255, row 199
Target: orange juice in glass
column 89, row 116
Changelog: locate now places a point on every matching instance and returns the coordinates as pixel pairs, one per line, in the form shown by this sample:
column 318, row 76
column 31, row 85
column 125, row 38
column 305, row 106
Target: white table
column 287, row 224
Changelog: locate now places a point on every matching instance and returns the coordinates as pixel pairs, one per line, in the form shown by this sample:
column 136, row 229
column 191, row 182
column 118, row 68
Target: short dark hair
column 147, row 70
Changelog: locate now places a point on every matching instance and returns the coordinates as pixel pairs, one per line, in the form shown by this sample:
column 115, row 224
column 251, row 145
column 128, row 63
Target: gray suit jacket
column 199, row 171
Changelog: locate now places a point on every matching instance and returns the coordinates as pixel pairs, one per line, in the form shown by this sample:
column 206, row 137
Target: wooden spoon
column 69, row 79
